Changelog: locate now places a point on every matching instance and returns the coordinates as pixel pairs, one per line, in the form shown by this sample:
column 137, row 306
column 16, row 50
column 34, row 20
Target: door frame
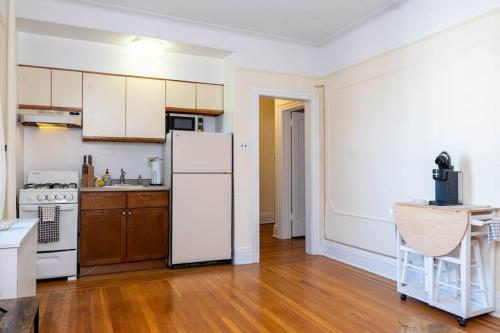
column 283, row 171
column 312, row 165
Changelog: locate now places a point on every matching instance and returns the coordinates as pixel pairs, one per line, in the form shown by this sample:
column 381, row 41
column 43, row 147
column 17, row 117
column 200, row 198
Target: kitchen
column 117, row 207
column 126, row 121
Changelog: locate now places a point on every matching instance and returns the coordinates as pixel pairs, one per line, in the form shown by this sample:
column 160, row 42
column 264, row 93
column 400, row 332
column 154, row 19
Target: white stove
column 54, row 188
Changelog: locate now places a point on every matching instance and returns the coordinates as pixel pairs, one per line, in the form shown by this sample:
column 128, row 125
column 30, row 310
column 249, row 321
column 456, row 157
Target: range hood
column 43, row 118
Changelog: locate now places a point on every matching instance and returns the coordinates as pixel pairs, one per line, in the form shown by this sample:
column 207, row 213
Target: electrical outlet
column 244, row 146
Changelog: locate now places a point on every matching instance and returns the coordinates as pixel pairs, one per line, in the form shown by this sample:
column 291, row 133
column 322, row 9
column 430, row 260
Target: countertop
column 16, row 234
column 124, row 189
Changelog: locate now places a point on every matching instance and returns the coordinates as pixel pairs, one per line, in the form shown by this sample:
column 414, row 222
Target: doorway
column 281, row 166
column 310, row 100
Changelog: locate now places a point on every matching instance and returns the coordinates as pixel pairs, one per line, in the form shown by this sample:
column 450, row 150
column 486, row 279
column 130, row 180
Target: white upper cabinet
column 34, row 86
column 66, row 89
column 209, row 97
column 145, row 116
column 103, row 105
column 180, row 95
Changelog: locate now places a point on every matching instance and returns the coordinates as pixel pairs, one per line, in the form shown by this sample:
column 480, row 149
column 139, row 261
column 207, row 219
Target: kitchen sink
column 125, row 186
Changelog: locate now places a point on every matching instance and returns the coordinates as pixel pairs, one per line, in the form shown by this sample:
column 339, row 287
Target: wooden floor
column 288, row 291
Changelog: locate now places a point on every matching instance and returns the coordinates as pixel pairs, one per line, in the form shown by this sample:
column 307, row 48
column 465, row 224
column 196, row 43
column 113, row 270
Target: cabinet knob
column 129, row 213
column 123, row 213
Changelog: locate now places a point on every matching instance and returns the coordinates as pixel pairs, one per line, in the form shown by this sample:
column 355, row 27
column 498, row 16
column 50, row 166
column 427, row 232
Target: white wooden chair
column 452, row 276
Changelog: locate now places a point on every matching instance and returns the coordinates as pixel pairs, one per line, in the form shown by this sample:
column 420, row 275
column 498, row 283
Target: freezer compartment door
column 201, row 152
column 201, row 218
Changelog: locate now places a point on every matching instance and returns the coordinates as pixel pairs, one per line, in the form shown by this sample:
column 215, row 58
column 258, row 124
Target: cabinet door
column 34, row 86
column 145, row 108
column 103, row 105
column 66, row 89
column 147, row 233
column 209, row 97
column 102, row 237
column 180, row 95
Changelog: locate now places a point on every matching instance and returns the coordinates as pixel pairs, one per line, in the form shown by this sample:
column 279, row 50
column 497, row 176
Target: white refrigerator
column 199, row 171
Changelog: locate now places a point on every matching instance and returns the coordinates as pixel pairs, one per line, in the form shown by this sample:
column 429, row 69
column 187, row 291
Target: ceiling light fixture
column 147, row 47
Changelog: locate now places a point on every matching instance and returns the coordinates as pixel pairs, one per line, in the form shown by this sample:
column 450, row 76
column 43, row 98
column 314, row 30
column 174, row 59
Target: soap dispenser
column 107, row 178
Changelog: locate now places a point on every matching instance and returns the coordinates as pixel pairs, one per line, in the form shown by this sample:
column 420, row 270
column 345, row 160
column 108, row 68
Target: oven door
column 68, row 227
column 180, row 122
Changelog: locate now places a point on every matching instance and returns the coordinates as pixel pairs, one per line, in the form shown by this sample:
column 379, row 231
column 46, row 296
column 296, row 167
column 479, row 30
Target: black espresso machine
column 448, row 182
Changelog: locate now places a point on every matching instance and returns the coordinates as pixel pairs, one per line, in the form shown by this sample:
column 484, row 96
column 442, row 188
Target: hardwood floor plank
column 289, row 291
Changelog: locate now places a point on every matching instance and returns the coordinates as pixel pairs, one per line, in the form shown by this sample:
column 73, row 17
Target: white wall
column 63, row 149
column 3, row 99
column 59, row 52
column 388, row 117
column 405, row 22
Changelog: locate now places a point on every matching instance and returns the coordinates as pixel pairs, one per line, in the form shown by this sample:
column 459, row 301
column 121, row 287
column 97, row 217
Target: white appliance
column 50, row 117
column 199, row 171
column 54, row 188
column 156, row 171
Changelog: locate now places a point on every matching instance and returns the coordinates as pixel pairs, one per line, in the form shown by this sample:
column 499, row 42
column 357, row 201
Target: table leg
column 37, row 319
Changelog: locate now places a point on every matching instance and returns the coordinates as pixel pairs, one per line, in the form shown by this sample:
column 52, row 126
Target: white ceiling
column 307, row 21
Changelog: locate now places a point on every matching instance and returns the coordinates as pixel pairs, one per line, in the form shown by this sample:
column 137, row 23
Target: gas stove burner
column 50, row 186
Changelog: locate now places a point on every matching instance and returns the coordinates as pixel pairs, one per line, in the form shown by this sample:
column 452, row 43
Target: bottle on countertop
column 107, row 178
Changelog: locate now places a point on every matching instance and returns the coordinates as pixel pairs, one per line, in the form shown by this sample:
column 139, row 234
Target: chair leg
column 405, row 268
column 438, row 279
column 476, row 251
column 454, row 273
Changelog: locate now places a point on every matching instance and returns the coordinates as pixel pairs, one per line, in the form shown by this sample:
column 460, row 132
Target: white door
column 103, row 105
column 34, row 86
column 145, row 115
column 201, row 218
column 68, row 226
column 67, row 89
column 209, row 97
column 180, row 95
column 201, row 152
column 298, row 175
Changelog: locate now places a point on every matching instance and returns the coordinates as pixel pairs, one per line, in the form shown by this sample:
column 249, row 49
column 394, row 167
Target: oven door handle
column 35, row 209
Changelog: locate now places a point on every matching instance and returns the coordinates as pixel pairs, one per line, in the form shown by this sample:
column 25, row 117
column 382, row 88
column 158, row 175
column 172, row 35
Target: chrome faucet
column 122, row 177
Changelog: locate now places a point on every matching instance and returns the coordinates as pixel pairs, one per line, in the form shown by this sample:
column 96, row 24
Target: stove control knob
column 69, row 196
column 50, row 197
column 59, row 197
column 33, row 197
column 41, row 197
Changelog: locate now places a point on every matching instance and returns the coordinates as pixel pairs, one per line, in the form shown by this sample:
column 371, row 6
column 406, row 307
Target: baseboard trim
column 266, row 218
column 243, row 256
column 368, row 261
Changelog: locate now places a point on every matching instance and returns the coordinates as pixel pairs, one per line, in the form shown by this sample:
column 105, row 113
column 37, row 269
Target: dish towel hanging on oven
column 494, row 231
column 48, row 224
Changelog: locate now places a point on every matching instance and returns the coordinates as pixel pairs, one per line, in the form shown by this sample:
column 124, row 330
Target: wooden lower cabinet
column 115, row 229
column 147, row 230
column 102, row 237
